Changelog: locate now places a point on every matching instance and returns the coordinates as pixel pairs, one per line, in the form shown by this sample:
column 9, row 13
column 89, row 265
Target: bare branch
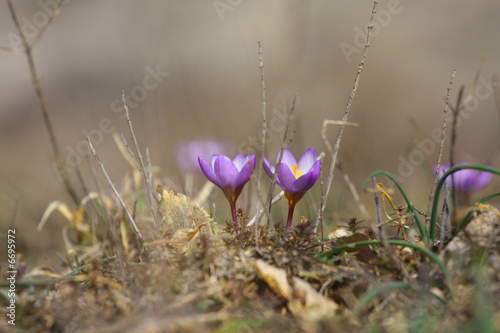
column 264, row 133
column 441, row 148
column 354, row 193
column 57, row 11
column 264, row 120
column 344, row 120
column 139, row 155
column 43, row 106
column 113, row 188
column 284, row 144
column 378, row 212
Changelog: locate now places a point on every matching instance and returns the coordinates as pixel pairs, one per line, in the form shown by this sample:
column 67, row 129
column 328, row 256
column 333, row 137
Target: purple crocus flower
column 466, row 181
column 187, row 151
column 230, row 176
column 295, row 178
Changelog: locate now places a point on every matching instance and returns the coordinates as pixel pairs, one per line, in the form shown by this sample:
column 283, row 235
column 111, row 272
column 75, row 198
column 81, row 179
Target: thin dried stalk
column 455, row 113
column 124, row 149
column 115, row 191
column 264, row 133
column 327, row 122
column 57, row 11
column 445, row 218
column 354, row 193
column 111, row 231
column 28, row 51
column 258, row 216
column 284, row 144
column 344, row 120
column 150, row 171
column 141, row 162
column 378, row 212
column 264, row 120
column 204, row 193
column 441, row 146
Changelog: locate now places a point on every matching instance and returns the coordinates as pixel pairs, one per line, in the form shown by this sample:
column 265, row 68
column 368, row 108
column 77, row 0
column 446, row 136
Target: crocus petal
column 251, row 157
column 242, row 178
column 208, row 172
column 268, row 167
column 287, row 159
column 240, row 160
column 461, row 178
column 214, row 158
column 307, row 160
column 187, row 151
column 480, row 180
column 225, row 171
column 286, row 177
column 466, row 180
column 304, row 183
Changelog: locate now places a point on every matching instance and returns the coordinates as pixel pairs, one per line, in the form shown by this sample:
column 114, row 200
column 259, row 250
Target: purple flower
column 187, row 152
column 230, row 176
column 295, row 178
column 466, row 180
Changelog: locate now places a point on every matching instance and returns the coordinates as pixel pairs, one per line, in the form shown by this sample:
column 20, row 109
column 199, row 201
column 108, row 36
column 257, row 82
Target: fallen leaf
column 303, row 300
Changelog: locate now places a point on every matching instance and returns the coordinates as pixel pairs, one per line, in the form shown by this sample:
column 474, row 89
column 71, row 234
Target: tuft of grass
column 435, row 204
column 410, row 208
column 431, row 255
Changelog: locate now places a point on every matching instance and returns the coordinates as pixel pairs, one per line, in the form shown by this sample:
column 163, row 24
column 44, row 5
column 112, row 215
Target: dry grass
column 141, row 256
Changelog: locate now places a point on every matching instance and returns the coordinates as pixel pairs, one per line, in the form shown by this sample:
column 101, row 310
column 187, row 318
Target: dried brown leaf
column 303, row 300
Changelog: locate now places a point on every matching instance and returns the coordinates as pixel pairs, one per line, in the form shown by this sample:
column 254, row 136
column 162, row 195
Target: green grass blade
column 431, row 255
column 421, row 229
column 435, row 203
column 371, row 294
column 473, row 209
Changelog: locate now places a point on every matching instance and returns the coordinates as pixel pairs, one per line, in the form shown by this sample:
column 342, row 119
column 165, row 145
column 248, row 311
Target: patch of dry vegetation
column 144, row 261
column 208, row 279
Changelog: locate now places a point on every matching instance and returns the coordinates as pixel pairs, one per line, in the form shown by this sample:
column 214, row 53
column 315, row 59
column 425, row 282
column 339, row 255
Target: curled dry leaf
column 303, row 300
column 177, row 213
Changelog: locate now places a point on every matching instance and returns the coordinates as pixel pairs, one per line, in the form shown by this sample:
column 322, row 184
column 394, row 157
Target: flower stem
column 291, row 207
column 235, row 216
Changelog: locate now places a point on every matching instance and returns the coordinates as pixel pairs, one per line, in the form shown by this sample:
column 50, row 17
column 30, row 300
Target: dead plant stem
column 441, row 148
column 28, row 51
column 141, row 163
column 344, row 119
column 284, row 144
column 264, row 133
column 115, row 191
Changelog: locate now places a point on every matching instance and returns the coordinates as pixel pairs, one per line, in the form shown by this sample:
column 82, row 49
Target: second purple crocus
column 466, row 181
column 230, row 176
column 295, row 178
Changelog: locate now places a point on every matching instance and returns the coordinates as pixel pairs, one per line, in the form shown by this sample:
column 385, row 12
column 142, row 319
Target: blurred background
column 191, row 69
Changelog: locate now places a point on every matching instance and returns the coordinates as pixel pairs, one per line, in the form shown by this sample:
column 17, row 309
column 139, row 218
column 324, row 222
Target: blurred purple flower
column 187, row 151
column 230, row 176
column 295, row 178
column 465, row 180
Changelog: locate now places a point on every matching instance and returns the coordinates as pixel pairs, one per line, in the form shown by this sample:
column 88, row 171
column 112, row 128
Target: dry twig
column 441, row 146
column 344, row 120
column 28, row 51
column 115, row 191
column 141, row 162
column 264, row 133
column 284, row 144
column 354, row 193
